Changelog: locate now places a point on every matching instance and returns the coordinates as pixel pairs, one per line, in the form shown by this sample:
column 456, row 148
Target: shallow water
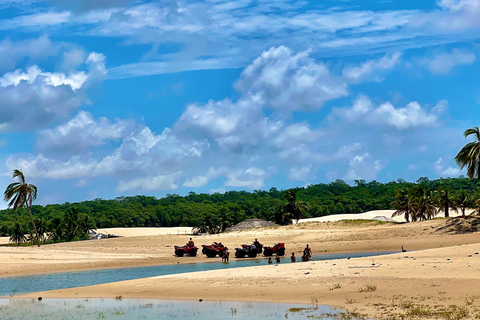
column 55, row 281
column 86, row 309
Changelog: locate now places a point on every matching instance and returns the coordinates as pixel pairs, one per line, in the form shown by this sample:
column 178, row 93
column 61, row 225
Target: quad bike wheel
column 179, row 253
column 268, row 253
column 239, row 254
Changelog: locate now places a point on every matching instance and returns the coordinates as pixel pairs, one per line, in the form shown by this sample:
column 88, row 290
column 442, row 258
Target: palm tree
column 476, row 202
column 295, row 207
column 404, row 204
column 463, row 201
column 446, row 200
column 469, row 156
column 20, row 194
column 18, row 234
column 425, row 203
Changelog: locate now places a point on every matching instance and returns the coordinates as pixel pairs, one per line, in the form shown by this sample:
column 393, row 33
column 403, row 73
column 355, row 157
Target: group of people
column 307, row 254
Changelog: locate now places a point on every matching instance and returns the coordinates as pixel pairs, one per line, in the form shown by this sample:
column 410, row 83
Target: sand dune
column 368, row 215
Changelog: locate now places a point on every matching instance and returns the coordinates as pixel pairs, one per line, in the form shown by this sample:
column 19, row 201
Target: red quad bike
column 247, row 250
column 212, row 250
column 279, row 249
column 186, row 250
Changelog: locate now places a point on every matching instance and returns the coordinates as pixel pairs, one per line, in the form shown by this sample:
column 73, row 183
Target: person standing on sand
column 293, row 258
column 190, row 243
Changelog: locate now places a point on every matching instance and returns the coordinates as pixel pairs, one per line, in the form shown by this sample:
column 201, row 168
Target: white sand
column 136, row 232
column 369, row 215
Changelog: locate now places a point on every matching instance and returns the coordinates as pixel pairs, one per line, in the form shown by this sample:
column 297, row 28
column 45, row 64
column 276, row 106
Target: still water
column 56, row 281
column 89, row 309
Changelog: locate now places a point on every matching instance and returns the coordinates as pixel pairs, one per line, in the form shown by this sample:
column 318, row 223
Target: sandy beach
column 439, row 270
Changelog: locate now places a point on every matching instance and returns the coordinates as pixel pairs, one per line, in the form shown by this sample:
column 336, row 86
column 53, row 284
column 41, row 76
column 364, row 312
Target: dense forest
column 228, row 208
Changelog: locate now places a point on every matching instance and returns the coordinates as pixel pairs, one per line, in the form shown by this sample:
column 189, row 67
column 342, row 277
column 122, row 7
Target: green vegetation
column 368, row 288
column 210, row 210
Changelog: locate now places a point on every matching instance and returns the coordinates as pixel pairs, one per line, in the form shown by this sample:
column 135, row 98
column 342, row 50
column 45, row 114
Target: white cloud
column 74, row 80
column 73, row 58
column 443, row 171
column 33, row 49
column 362, row 167
column 251, row 178
column 411, row 116
column 371, row 68
column 200, row 181
column 460, row 5
column 32, row 98
column 150, row 183
column 443, row 63
column 36, row 20
column 361, row 106
column 82, row 132
column 290, row 82
column 300, row 173
column 295, row 134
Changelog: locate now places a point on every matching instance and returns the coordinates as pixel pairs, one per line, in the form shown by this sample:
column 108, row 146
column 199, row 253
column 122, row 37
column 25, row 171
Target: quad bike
column 186, row 250
column 247, row 250
column 213, row 250
column 279, row 249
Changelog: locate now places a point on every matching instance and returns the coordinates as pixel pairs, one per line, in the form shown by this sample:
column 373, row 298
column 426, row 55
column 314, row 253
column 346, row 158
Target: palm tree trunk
column 34, row 226
column 447, row 214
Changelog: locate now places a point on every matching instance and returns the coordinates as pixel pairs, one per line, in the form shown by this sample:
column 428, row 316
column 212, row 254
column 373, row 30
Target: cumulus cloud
column 411, row 116
column 290, row 82
column 33, row 97
column 82, row 132
column 444, row 171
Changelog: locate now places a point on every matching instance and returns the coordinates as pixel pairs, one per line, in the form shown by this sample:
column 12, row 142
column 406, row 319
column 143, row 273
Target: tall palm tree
column 463, row 201
column 405, row 204
column 469, row 156
column 446, row 200
column 20, row 194
column 18, row 234
column 293, row 206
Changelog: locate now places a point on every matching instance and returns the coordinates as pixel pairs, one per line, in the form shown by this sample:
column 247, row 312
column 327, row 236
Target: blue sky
column 112, row 98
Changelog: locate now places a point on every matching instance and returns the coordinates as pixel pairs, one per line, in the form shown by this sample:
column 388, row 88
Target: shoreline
column 440, row 269
column 335, row 283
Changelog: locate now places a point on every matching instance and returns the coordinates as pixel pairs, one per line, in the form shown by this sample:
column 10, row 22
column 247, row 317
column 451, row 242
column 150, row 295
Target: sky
column 102, row 99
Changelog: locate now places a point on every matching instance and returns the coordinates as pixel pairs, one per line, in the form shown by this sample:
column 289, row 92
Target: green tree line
column 230, row 207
